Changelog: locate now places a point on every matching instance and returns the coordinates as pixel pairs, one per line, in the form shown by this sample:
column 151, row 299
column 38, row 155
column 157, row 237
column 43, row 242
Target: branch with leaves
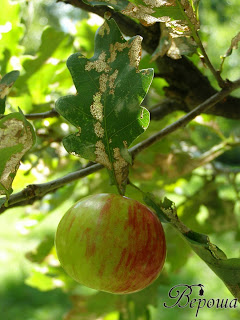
column 37, row 191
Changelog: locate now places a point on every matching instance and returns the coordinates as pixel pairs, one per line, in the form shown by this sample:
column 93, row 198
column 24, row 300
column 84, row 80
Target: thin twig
column 222, row 84
column 48, row 114
column 207, row 61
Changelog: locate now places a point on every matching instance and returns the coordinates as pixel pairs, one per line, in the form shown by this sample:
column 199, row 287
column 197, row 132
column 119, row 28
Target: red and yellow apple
column 111, row 243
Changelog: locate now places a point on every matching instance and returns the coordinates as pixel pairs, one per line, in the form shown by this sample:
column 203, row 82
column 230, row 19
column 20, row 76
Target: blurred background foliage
column 198, row 168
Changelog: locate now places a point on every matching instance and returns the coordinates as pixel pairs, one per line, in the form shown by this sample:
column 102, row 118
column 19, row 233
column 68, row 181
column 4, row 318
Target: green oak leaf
column 6, row 84
column 106, row 109
column 16, row 138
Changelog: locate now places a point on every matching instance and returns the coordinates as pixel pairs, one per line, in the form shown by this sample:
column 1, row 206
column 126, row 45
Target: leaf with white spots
column 16, row 138
column 106, row 109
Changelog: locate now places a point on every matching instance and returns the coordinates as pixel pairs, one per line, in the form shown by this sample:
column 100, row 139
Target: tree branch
column 43, row 115
column 187, row 85
column 186, row 118
column 37, row 191
column 157, row 112
column 165, row 107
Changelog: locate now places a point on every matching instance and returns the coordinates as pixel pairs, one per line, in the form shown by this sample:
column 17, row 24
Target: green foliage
column 42, row 250
column 196, row 167
column 107, row 124
column 133, row 306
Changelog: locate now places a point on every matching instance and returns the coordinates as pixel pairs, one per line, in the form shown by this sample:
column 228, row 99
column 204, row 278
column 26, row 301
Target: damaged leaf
column 173, row 47
column 16, row 138
column 177, row 14
column 106, row 109
column 180, row 18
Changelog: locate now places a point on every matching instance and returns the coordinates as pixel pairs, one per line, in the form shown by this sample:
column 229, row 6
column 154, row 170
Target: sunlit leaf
column 11, row 30
column 50, row 41
column 41, row 281
column 41, row 251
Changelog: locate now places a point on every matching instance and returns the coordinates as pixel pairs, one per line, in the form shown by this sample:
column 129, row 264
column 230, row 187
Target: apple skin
column 111, row 243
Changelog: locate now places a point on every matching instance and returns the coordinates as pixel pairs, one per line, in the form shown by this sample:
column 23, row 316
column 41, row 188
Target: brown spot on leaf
column 98, row 129
column 112, row 79
column 104, row 28
column 99, row 65
column 101, row 155
column 118, row 46
column 120, row 166
column 96, row 108
column 143, row 13
column 4, row 90
column 103, row 82
column 135, row 52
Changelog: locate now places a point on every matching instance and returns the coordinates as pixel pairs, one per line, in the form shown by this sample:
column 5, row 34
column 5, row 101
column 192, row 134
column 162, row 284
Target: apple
column 111, row 243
